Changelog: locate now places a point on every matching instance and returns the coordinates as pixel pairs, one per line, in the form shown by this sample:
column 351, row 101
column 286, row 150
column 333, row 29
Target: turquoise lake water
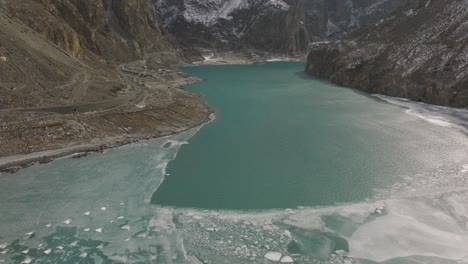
column 283, row 139
column 292, row 166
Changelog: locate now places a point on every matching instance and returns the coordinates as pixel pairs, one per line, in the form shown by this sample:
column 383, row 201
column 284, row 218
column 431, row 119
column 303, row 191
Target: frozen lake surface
column 293, row 169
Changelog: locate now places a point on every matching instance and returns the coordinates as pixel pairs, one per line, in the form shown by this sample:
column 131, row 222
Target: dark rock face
column 283, row 26
column 421, row 54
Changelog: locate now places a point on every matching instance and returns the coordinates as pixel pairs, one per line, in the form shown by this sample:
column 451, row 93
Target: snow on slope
column 208, row 12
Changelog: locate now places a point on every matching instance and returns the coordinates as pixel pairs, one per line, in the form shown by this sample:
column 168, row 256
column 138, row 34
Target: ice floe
column 26, row 260
column 287, row 259
column 273, row 256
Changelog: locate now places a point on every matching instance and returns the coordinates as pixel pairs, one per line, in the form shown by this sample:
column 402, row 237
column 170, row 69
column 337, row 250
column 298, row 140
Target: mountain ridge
column 420, row 55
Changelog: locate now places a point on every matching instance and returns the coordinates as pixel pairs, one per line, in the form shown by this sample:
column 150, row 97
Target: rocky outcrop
column 282, row 26
column 421, row 55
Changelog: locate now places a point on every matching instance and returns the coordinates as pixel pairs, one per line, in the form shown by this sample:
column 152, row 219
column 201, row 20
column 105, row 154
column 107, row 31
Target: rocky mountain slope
column 421, row 55
column 68, row 75
column 282, row 26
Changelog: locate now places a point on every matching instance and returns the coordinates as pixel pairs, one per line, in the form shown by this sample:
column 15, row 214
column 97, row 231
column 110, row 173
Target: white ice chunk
column 99, row 230
column 83, row 255
column 48, row 225
column 25, row 251
column 74, row 244
column 87, row 213
column 273, row 256
column 103, row 208
column 60, row 247
column 3, row 246
column 26, row 260
column 47, row 252
column 100, row 246
column 120, row 217
column 67, row 222
column 87, row 229
column 465, row 169
column 126, row 227
column 287, row 259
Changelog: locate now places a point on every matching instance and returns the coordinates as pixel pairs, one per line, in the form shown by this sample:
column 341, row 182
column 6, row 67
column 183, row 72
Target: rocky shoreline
column 13, row 163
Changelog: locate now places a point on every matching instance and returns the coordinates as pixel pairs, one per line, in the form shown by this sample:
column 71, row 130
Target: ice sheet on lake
column 437, row 115
column 71, row 189
column 428, row 219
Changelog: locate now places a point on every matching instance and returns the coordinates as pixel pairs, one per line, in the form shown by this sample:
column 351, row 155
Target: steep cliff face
column 335, row 18
column 237, row 24
column 421, row 55
column 54, row 41
column 284, row 26
column 114, row 29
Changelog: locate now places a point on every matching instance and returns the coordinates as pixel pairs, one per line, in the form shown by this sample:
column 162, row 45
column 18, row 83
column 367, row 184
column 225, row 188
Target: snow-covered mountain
column 285, row 26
